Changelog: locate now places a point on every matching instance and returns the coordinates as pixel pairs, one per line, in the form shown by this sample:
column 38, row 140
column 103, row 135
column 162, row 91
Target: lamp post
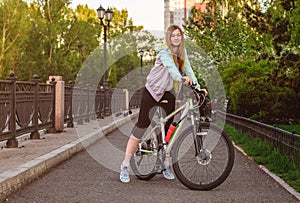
column 107, row 15
column 141, row 53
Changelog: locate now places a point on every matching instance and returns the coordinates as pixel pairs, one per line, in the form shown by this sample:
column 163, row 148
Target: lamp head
column 100, row 12
column 141, row 52
column 108, row 14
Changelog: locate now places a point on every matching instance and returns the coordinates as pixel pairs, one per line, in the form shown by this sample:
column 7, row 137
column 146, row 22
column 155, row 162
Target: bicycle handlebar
column 200, row 94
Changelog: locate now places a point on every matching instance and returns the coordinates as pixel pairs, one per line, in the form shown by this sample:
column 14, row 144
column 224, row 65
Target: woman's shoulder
column 163, row 51
column 165, row 57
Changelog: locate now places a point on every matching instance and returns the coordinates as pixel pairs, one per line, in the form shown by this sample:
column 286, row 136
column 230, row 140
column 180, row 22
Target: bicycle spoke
column 144, row 161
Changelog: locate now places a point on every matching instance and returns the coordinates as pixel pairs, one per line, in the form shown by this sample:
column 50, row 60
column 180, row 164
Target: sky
column 149, row 13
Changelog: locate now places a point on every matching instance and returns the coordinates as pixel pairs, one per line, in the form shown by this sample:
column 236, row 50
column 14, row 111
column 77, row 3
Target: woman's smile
column 176, row 37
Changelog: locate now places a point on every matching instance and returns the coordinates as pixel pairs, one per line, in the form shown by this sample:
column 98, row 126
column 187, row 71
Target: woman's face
column 176, row 37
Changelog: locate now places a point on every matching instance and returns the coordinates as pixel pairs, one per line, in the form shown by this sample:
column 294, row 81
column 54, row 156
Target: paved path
column 83, row 179
column 19, row 166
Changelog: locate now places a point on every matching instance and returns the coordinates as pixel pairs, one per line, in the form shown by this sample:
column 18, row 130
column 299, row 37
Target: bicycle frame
column 186, row 108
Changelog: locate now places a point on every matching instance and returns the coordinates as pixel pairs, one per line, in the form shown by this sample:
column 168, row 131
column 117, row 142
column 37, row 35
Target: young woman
column 171, row 65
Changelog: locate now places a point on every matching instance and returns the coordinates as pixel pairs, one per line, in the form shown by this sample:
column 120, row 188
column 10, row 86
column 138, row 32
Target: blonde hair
column 179, row 56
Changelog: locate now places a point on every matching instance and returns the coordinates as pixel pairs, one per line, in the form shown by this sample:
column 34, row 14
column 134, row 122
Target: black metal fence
column 25, row 107
column 288, row 143
column 28, row 107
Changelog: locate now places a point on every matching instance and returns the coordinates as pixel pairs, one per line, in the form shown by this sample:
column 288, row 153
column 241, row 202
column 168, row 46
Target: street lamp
column 107, row 15
column 141, row 53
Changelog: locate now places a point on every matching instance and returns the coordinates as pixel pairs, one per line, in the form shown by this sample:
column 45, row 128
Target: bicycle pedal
column 159, row 168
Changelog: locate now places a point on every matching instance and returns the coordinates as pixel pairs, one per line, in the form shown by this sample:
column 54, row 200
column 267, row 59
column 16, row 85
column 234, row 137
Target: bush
column 261, row 90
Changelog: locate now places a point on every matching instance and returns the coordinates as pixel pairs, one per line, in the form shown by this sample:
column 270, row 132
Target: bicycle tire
column 145, row 170
column 143, row 164
column 203, row 174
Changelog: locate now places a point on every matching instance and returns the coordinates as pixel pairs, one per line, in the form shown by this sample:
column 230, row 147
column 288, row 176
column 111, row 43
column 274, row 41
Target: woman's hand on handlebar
column 186, row 80
column 203, row 91
column 200, row 93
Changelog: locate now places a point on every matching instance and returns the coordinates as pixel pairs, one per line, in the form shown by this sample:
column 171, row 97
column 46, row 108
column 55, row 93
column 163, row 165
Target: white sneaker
column 168, row 174
column 124, row 174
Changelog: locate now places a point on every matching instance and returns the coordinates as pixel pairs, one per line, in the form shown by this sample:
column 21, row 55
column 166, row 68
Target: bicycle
column 202, row 154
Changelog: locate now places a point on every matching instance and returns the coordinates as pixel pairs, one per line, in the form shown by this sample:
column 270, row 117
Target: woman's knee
column 138, row 132
column 133, row 137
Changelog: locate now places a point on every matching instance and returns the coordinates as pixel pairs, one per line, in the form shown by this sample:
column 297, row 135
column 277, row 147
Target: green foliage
column 49, row 38
column 254, row 93
column 265, row 154
column 257, row 54
column 295, row 26
column 291, row 128
column 226, row 37
column 121, row 23
column 123, row 56
column 236, row 137
column 280, row 164
column 247, row 85
column 278, row 21
column 15, row 29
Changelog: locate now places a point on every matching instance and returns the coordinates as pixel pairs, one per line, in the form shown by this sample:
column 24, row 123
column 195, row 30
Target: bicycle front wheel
column 208, row 168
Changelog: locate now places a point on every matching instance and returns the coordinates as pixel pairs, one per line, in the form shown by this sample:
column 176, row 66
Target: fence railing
column 288, row 143
column 28, row 107
column 25, row 107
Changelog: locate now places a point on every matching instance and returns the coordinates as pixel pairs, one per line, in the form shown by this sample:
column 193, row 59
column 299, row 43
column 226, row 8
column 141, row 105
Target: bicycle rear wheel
column 144, row 164
column 209, row 168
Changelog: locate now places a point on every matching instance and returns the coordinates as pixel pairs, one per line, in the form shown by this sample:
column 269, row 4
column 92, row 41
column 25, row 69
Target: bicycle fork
column 198, row 136
column 202, row 155
column 197, row 141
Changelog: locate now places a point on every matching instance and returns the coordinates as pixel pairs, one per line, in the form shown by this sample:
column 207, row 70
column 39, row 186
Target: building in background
column 178, row 11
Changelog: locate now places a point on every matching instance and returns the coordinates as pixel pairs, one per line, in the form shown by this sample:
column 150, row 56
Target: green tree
column 80, row 39
column 224, row 37
column 123, row 54
column 15, row 27
column 257, row 53
column 295, row 26
column 44, row 41
column 121, row 23
column 247, row 84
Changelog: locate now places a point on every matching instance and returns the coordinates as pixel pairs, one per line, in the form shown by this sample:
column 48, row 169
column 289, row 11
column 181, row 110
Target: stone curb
column 14, row 179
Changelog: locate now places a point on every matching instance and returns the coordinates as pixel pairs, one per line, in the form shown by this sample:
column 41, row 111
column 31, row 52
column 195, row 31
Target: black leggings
column 147, row 109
